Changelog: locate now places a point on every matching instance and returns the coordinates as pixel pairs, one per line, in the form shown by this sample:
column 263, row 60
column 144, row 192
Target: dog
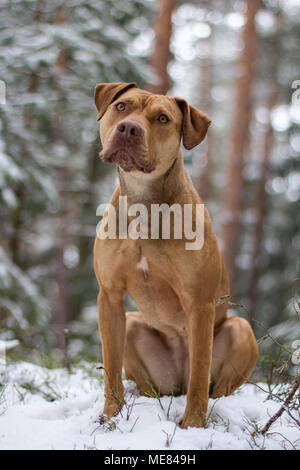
column 181, row 339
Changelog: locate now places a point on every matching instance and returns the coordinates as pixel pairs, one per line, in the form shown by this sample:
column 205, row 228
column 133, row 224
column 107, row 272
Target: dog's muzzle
column 127, row 148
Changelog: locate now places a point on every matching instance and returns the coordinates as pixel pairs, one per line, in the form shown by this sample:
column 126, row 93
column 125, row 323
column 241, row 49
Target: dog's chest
column 154, row 296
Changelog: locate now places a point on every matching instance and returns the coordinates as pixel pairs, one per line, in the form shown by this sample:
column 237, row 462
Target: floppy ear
column 106, row 93
column 194, row 126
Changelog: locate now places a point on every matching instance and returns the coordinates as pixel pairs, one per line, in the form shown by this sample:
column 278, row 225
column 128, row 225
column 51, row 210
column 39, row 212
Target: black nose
column 130, row 129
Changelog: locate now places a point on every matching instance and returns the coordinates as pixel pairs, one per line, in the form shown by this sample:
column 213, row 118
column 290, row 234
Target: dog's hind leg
column 148, row 359
column 234, row 356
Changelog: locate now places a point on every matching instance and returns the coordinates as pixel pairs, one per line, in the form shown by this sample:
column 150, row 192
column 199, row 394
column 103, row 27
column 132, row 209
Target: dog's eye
column 120, row 106
column 163, row 119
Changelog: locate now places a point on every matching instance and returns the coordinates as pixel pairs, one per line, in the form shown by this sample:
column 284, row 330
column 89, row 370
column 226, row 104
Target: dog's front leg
column 112, row 324
column 200, row 338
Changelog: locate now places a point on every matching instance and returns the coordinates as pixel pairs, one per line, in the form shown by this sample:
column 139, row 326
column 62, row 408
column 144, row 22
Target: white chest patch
column 143, row 264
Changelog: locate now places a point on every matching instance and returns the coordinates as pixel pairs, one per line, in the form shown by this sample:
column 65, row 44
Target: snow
column 54, row 409
column 8, row 345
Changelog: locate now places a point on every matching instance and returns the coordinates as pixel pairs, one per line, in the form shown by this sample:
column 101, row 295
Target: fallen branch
column 283, row 407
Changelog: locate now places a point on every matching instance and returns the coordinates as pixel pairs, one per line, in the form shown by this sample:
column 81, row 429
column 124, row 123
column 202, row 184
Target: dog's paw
column 112, row 408
column 194, row 419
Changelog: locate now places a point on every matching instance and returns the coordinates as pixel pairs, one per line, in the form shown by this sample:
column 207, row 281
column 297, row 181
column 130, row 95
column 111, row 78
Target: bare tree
column 204, row 181
column 161, row 53
column 260, row 205
column 260, row 202
column 238, row 139
column 62, row 302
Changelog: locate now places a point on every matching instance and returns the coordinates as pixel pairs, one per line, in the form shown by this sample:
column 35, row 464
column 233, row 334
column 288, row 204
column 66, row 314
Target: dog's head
column 141, row 131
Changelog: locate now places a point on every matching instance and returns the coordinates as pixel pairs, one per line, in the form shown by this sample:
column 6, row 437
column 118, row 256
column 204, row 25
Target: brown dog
column 181, row 338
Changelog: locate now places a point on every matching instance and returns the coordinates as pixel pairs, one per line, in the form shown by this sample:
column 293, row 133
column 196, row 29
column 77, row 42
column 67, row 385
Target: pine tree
column 49, row 143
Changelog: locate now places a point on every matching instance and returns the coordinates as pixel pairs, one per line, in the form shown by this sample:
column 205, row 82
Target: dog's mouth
column 129, row 158
column 125, row 160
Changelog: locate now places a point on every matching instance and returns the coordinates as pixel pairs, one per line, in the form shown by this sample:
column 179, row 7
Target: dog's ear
column 106, row 93
column 194, row 124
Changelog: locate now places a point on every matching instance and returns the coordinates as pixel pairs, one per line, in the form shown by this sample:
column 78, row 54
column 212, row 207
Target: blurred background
column 238, row 61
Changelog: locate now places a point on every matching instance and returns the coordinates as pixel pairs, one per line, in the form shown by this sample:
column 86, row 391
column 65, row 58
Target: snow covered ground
column 51, row 409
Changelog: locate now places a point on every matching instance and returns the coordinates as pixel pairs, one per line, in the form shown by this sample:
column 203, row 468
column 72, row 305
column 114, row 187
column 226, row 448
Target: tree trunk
column 238, row 139
column 62, row 302
column 161, row 53
column 260, row 204
column 204, row 182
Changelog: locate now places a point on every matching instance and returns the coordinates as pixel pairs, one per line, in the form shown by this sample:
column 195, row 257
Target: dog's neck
column 147, row 189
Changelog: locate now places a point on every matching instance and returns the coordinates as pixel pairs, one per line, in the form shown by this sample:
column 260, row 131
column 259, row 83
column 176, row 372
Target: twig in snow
column 134, row 424
column 293, row 418
column 169, row 436
column 283, row 407
column 285, row 438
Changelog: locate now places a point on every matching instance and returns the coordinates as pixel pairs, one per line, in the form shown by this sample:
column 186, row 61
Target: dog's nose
column 130, row 129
